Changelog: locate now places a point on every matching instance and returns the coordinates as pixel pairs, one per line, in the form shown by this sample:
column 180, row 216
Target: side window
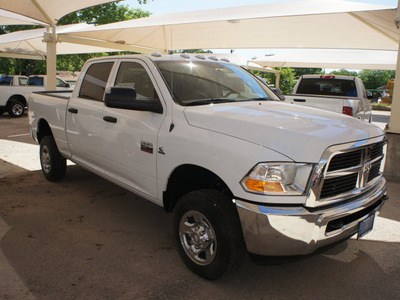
column 133, row 75
column 22, row 80
column 37, row 81
column 95, row 81
column 61, row 83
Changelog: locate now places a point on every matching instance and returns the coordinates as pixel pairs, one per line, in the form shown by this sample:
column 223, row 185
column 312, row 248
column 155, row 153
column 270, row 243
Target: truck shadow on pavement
column 87, row 238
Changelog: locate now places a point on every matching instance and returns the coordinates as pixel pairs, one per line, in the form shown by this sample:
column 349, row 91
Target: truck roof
column 160, row 57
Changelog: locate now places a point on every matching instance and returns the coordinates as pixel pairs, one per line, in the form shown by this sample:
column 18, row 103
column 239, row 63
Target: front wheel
column 208, row 233
column 53, row 164
column 16, row 108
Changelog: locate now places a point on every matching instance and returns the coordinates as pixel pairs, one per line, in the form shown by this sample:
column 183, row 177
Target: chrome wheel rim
column 198, row 238
column 45, row 159
column 17, row 109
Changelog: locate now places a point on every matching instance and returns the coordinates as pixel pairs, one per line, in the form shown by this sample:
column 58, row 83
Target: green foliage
column 344, row 72
column 306, row 71
column 103, row 14
column 374, row 79
column 193, row 51
column 287, row 81
column 268, row 76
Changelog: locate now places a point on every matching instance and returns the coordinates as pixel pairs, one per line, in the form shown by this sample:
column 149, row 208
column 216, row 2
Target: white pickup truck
column 14, row 95
column 341, row 94
column 242, row 171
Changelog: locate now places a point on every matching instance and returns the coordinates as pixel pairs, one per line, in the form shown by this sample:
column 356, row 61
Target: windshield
column 205, row 82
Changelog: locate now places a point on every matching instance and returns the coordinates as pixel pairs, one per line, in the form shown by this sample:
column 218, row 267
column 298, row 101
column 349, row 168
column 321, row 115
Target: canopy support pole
column 394, row 125
column 392, row 166
column 277, row 79
column 51, row 59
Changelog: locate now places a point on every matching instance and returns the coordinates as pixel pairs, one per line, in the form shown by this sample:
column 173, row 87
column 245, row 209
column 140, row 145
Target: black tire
column 53, row 164
column 16, row 108
column 206, row 222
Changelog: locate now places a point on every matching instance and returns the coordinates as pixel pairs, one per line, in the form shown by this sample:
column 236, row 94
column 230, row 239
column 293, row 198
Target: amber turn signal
column 264, row 186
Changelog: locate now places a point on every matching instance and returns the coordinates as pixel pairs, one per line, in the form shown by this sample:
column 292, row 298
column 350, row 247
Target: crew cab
column 242, row 171
column 13, row 80
column 341, row 94
column 15, row 92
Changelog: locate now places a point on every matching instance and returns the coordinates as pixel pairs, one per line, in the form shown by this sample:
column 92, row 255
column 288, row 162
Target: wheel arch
column 43, row 129
column 18, row 97
column 187, row 178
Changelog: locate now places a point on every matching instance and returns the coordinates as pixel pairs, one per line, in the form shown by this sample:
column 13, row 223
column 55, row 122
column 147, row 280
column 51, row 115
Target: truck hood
column 301, row 133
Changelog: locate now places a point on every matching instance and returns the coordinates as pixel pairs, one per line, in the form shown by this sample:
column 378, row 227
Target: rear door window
column 95, row 81
column 22, row 80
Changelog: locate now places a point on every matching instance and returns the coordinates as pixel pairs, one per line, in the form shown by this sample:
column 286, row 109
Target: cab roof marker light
column 213, row 58
column 225, row 59
column 156, row 54
column 199, row 56
column 185, row 56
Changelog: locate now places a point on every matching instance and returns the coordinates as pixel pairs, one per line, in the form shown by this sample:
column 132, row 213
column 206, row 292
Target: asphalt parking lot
column 86, row 238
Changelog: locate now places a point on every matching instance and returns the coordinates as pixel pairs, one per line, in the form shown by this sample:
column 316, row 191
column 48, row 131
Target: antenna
column 171, row 127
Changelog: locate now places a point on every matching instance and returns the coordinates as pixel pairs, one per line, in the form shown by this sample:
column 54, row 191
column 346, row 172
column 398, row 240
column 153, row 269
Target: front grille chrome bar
column 346, row 171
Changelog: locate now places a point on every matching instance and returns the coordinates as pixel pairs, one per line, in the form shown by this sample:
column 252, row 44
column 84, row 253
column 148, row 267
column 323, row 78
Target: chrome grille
column 339, row 185
column 345, row 160
column 346, row 171
column 352, row 170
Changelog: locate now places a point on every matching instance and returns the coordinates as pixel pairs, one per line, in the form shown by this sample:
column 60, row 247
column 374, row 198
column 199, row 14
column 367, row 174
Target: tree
column 344, row 72
column 374, row 79
column 102, row 14
column 287, row 81
column 306, row 71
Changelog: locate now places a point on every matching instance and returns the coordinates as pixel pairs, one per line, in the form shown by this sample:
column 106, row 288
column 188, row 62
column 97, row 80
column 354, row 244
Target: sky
column 158, row 7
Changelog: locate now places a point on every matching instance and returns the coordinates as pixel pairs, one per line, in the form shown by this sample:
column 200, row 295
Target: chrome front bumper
column 297, row 230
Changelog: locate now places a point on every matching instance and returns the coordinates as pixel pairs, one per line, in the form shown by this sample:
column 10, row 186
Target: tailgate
column 333, row 104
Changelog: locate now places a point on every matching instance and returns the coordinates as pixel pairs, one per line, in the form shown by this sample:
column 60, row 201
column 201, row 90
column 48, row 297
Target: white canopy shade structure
column 328, row 24
column 311, row 24
column 48, row 12
column 29, row 44
column 9, row 18
column 332, row 59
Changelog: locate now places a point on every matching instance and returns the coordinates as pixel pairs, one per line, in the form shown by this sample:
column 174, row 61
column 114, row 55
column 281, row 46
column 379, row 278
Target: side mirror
column 125, row 98
column 278, row 92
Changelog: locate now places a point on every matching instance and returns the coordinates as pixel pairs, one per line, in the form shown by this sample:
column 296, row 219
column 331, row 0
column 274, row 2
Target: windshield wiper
column 209, row 101
column 259, row 99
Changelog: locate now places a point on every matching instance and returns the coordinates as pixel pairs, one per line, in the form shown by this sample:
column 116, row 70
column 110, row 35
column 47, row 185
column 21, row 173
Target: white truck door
column 85, row 115
column 129, row 136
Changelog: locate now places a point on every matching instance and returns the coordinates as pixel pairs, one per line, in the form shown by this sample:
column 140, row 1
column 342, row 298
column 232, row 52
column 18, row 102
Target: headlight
column 278, row 179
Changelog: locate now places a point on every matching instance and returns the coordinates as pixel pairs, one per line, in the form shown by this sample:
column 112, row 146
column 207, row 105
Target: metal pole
column 394, row 125
column 51, row 59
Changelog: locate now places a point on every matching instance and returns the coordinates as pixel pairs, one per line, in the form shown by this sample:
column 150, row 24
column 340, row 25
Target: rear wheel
column 15, row 108
column 53, row 164
column 208, row 233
